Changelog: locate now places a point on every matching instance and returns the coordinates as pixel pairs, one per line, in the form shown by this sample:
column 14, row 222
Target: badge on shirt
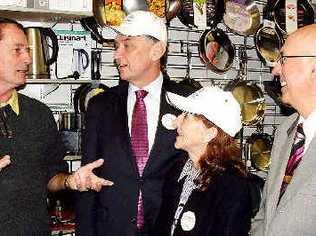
column 188, row 221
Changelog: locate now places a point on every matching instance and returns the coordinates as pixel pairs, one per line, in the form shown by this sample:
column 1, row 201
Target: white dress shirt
column 152, row 102
column 309, row 127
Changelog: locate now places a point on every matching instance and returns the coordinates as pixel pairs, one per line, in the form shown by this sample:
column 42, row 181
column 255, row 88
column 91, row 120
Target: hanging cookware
column 268, row 42
column 260, row 145
column 173, row 7
column 216, row 50
column 37, row 38
column 84, row 93
column 242, row 16
column 249, row 96
column 106, row 13
column 201, row 14
column 268, row 39
column 289, row 15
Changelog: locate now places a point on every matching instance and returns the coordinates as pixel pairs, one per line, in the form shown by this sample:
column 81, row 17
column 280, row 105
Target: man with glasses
column 137, row 148
column 289, row 197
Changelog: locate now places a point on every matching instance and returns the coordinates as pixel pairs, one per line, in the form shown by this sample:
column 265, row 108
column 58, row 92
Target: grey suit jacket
column 295, row 215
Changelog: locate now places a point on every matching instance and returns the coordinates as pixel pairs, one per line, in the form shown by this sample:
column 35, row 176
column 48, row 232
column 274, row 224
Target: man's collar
column 13, row 102
column 153, row 88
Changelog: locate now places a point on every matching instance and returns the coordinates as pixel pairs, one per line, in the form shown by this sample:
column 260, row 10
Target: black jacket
column 224, row 209
column 113, row 210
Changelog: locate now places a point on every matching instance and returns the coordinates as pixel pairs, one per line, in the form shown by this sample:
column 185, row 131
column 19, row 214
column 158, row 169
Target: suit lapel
column 164, row 137
column 279, row 167
column 123, row 124
column 301, row 176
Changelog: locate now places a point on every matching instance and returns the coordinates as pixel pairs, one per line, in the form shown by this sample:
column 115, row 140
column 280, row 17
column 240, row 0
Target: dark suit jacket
column 113, row 210
column 224, row 209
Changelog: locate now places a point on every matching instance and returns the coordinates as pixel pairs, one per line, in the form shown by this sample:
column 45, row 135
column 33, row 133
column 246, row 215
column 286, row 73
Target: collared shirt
column 13, row 102
column 190, row 173
column 309, row 127
column 152, row 102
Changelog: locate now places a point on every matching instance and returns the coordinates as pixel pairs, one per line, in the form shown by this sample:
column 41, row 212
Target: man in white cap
column 124, row 128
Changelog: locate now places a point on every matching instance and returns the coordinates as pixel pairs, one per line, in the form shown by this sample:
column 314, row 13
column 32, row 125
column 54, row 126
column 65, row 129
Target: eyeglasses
column 282, row 58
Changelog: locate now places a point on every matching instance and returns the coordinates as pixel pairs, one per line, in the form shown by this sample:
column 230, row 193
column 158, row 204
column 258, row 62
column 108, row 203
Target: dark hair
column 5, row 21
column 163, row 59
column 222, row 152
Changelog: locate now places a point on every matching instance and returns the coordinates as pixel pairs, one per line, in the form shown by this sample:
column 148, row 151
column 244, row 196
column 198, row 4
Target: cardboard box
column 74, row 53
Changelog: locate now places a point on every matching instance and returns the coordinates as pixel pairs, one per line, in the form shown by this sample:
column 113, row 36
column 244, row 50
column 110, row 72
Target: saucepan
column 216, row 50
column 242, row 16
column 192, row 11
column 260, row 145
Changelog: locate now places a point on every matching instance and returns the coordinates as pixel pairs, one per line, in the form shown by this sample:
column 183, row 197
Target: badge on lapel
column 188, row 221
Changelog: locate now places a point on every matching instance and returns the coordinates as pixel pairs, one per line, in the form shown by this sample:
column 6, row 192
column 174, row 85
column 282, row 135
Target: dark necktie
column 5, row 130
column 139, row 140
column 295, row 158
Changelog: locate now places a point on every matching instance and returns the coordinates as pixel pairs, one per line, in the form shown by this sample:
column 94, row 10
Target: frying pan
column 242, row 16
column 214, row 13
column 216, row 50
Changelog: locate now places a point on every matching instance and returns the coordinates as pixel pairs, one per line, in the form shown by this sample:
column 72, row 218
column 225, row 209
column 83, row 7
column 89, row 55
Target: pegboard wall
column 182, row 41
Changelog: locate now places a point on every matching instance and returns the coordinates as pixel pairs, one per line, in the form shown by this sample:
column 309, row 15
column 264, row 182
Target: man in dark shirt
column 31, row 151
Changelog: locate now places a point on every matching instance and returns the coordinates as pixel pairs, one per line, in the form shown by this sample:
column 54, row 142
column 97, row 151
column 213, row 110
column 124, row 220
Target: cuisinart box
column 74, row 54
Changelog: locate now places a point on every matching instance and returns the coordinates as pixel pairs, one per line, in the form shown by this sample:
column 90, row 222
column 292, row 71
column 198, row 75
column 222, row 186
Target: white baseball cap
column 140, row 23
column 218, row 106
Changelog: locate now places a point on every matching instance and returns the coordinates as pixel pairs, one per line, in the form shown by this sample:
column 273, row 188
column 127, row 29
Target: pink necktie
column 295, row 158
column 139, row 140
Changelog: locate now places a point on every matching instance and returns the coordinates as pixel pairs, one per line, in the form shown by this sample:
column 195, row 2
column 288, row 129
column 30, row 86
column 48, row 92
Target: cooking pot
column 216, row 50
column 290, row 15
column 242, row 16
column 260, row 145
column 191, row 13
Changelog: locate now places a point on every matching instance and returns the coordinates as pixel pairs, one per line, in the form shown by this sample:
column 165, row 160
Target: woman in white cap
column 208, row 192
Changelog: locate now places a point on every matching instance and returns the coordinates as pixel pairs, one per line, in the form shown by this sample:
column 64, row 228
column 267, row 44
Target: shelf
column 61, row 81
column 32, row 14
column 72, row 158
